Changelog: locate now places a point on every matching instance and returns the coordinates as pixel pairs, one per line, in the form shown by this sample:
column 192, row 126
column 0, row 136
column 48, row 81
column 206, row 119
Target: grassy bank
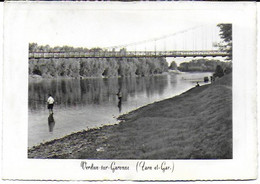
column 194, row 125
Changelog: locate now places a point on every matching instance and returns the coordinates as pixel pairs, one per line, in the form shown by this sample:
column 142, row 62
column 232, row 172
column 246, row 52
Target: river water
column 89, row 103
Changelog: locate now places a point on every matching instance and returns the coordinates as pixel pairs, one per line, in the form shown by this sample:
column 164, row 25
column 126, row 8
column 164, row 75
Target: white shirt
column 50, row 100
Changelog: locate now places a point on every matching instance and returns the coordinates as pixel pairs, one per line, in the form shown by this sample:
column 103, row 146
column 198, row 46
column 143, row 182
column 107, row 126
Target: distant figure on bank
column 50, row 103
column 51, row 122
column 197, row 84
column 211, row 79
column 119, row 96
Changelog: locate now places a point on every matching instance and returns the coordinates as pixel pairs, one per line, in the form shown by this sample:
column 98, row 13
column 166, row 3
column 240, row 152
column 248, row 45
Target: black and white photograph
column 138, row 91
column 168, row 97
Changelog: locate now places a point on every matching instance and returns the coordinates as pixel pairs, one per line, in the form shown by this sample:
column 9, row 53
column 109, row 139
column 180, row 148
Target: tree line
column 201, row 65
column 92, row 67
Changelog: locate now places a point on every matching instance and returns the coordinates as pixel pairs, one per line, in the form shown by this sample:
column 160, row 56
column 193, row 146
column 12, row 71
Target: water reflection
column 90, row 103
column 51, row 122
column 119, row 96
column 76, row 92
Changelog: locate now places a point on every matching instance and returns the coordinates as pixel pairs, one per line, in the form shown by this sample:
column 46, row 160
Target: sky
column 111, row 27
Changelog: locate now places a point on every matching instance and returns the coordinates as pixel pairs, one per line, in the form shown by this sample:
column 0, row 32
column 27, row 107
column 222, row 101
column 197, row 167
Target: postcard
column 158, row 91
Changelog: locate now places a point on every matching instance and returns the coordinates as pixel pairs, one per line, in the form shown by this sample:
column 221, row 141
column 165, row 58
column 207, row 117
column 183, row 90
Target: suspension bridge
column 200, row 41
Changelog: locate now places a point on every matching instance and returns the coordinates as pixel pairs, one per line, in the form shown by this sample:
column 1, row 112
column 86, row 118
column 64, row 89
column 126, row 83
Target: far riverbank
column 194, row 125
column 38, row 78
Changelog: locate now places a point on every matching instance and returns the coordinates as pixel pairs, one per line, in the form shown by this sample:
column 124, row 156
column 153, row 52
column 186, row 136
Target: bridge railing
column 128, row 54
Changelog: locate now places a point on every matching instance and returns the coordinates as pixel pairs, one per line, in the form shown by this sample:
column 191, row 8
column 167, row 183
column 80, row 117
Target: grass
column 194, row 125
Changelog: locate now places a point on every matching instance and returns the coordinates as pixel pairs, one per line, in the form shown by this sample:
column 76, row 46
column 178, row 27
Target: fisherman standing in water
column 50, row 103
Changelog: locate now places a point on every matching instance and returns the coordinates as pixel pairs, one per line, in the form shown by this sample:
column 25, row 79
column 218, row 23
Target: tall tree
column 226, row 36
column 33, row 47
column 173, row 66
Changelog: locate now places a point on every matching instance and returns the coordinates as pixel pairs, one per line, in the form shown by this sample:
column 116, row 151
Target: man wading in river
column 50, row 103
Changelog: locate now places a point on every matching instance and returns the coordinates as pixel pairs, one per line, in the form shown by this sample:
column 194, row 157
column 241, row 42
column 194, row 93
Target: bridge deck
column 209, row 53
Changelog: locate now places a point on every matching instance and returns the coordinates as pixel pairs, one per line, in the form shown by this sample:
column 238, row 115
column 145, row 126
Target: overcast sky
column 99, row 27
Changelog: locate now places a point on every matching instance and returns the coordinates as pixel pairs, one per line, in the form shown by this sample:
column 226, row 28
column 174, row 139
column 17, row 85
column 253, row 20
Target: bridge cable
column 149, row 40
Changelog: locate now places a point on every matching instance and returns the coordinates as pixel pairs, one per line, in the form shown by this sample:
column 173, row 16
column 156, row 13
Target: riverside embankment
column 195, row 124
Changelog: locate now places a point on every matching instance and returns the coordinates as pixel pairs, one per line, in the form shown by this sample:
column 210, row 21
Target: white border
column 242, row 166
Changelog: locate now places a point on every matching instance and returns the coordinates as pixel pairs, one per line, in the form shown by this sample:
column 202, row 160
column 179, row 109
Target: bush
column 219, row 72
column 173, row 66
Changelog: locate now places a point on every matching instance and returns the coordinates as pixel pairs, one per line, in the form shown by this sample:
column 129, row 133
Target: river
column 89, row 103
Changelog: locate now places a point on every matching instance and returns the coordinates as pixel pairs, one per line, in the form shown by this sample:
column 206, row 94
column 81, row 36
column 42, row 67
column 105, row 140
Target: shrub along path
column 194, row 125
